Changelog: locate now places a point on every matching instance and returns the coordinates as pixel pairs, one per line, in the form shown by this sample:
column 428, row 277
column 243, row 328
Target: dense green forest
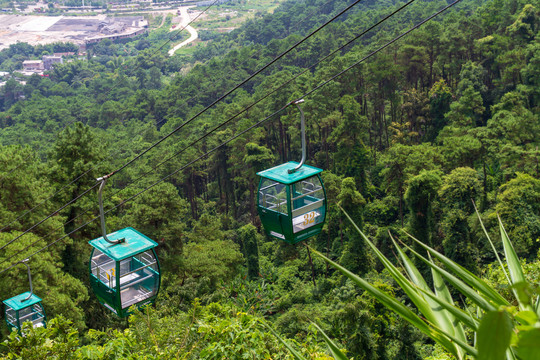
column 411, row 140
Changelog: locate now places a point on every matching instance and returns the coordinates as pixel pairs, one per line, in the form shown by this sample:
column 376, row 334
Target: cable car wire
column 177, row 129
column 213, row 103
column 49, row 198
column 239, row 134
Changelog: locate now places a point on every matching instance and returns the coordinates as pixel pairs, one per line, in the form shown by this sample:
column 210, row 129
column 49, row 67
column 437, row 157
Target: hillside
column 411, row 137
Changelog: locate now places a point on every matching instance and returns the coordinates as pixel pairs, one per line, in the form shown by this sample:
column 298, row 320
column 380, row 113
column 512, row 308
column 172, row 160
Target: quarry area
column 79, row 30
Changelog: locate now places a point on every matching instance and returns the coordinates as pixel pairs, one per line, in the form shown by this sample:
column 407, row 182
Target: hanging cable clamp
column 105, row 177
column 303, row 135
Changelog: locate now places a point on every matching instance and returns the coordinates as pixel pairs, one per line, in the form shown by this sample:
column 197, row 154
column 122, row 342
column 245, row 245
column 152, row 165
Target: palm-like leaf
column 456, row 281
column 448, row 341
column 517, row 277
column 468, row 277
column 496, row 335
column 429, row 309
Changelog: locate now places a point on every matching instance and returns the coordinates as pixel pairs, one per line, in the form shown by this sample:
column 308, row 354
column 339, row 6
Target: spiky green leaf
column 459, row 314
column 458, row 284
column 394, row 305
column 491, row 243
column 442, row 292
column 441, row 318
column 514, row 266
column 336, row 353
column 409, row 288
column 467, row 276
column 295, row 353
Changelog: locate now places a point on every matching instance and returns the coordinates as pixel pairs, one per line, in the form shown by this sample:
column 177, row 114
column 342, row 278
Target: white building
column 33, row 65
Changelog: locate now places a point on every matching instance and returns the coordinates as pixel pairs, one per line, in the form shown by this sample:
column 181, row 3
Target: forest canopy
column 413, row 139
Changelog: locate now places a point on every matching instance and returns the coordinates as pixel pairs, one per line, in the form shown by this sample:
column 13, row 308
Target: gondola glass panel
column 20, row 309
column 291, row 206
column 126, row 273
column 307, row 203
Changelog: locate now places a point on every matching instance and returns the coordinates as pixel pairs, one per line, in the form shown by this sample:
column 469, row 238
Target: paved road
column 184, row 24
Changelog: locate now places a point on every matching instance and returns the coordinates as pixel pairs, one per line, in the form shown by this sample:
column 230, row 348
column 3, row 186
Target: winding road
column 185, row 19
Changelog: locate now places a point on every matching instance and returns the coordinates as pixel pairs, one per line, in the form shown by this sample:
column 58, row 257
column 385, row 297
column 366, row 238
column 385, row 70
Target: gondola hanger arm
column 103, row 180
column 303, row 132
column 24, row 262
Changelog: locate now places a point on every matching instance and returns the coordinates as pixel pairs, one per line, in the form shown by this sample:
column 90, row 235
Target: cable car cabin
column 291, row 206
column 22, row 308
column 124, row 274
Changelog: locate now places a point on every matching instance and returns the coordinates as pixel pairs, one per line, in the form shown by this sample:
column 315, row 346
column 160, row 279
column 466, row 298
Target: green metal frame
column 135, row 243
column 279, row 225
column 17, row 304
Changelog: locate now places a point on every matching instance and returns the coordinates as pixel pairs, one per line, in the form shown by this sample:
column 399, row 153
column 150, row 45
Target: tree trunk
column 327, row 252
column 401, row 205
column 252, row 201
column 312, row 267
column 281, row 142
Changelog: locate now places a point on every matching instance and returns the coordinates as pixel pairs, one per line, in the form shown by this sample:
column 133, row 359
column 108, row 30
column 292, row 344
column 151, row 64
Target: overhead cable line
column 239, row 134
column 268, row 94
column 190, row 120
column 49, row 198
column 94, row 167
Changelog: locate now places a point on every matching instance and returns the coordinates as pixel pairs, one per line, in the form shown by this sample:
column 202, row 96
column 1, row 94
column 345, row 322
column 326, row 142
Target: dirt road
column 185, row 19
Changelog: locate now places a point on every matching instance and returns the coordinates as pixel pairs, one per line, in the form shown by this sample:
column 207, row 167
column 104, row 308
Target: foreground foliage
column 205, row 332
column 501, row 328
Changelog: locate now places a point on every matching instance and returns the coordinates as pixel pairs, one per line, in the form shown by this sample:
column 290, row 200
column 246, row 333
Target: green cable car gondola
column 291, row 199
column 25, row 307
column 124, row 268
